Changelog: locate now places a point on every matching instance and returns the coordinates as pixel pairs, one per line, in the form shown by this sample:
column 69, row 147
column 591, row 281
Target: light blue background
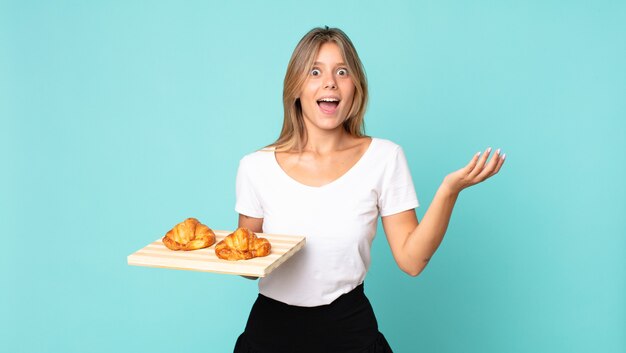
column 121, row 118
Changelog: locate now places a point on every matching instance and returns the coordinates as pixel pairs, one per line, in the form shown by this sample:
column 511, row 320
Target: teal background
column 121, row 118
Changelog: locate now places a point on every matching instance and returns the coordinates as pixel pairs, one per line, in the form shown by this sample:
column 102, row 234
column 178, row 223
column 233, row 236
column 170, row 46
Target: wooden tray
column 156, row 254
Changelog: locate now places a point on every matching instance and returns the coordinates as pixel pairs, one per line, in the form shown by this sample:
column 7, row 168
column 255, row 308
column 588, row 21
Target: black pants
column 346, row 325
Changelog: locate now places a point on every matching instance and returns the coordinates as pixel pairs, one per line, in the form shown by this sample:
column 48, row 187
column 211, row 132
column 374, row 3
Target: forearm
column 414, row 244
column 424, row 240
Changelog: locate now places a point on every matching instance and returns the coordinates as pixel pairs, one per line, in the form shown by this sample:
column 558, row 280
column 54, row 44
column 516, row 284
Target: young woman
column 325, row 179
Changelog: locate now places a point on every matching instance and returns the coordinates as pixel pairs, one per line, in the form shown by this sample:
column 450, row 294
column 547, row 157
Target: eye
column 342, row 72
column 315, row 72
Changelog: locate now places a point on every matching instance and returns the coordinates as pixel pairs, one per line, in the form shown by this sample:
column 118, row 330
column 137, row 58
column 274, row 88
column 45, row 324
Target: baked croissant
column 189, row 235
column 242, row 244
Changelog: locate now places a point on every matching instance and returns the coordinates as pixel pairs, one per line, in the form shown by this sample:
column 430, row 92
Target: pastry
column 189, row 235
column 242, row 244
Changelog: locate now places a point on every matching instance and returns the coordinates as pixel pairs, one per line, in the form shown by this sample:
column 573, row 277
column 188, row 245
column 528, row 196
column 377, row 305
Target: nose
column 329, row 83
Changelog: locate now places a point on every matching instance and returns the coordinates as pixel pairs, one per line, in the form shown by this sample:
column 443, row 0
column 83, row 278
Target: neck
column 324, row 142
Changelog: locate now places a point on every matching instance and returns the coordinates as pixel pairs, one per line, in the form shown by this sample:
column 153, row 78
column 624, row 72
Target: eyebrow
column 317, row 63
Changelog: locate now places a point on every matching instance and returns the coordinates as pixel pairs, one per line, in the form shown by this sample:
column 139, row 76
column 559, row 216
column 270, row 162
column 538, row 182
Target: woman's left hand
column 478, row 170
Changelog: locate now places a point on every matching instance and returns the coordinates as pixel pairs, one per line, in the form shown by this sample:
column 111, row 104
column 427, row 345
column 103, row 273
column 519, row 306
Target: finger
column 472, row 164
column 489, row 168
column 500, row 163
column 481, row 164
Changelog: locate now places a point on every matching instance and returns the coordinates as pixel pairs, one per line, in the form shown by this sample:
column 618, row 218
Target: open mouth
column 328, row 105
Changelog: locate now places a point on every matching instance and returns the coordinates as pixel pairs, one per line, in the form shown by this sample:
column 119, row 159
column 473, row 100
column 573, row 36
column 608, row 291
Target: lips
column 328, row 105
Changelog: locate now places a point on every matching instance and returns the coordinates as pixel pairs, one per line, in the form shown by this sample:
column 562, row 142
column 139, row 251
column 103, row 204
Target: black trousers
column 347, row 325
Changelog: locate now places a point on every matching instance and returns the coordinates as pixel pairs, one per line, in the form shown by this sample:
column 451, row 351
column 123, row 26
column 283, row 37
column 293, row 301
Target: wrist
column 449, row 190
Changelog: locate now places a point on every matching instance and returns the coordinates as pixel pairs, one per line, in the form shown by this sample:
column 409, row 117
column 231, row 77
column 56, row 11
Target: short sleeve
column 397, row 192
column 247, row 201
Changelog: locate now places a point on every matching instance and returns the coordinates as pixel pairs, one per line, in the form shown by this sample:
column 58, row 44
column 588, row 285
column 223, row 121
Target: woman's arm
column 255, row 225
column 413, row 243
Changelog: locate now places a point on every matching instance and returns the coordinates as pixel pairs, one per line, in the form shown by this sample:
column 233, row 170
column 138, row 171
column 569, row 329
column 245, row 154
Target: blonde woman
column 324, row 178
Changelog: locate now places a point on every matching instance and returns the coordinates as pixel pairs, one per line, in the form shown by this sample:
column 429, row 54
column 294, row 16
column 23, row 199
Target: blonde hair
column 293, row 135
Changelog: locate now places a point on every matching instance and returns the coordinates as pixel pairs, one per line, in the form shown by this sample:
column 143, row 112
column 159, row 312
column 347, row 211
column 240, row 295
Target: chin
column 330, row 123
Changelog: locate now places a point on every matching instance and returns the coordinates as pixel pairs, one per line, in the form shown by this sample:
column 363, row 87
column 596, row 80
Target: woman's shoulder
column 385, row 145
column 260, row 156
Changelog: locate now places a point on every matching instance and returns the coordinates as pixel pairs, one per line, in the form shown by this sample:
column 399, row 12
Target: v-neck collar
column 331, row 183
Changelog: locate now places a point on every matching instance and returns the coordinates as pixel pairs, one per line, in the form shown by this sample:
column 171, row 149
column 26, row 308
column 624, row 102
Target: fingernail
column 498, row 151
column 488, row 150
column 478, row 154
column 503, row 156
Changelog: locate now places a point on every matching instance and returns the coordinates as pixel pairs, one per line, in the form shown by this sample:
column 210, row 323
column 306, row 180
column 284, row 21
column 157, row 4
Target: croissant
column 189, row 235
column 242, row 244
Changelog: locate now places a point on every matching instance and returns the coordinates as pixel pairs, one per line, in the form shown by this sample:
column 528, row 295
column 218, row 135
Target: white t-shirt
column 338, row 219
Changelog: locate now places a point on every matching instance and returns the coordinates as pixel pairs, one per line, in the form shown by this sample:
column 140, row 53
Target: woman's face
column 328, row 91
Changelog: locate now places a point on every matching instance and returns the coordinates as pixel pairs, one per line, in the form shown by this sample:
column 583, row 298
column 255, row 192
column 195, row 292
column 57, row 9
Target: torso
column 338, row 217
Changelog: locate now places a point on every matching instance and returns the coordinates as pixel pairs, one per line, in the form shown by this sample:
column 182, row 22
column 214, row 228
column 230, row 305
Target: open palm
column 476, row 171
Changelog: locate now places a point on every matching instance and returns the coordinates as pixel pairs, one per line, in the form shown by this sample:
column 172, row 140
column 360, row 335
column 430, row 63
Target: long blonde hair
column 293, row 135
